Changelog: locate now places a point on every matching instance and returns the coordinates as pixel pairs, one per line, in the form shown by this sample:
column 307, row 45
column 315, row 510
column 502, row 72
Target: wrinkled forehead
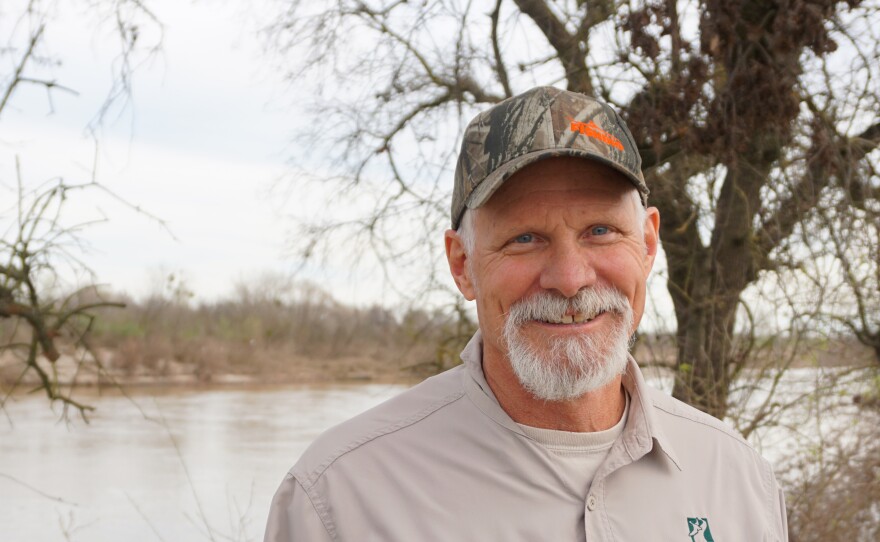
column 579, row 177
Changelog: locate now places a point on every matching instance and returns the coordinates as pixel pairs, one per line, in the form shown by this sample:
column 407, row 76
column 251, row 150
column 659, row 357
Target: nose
column 567, row 269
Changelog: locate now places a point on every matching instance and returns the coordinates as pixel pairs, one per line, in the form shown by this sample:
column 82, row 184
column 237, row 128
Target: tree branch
column 823, row 164
column 16, row 76
column 567, row 46
column 655, row 155
column 500, row 69
column 458, row 85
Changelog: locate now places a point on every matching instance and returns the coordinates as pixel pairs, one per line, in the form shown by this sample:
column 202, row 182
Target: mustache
column 546, row 306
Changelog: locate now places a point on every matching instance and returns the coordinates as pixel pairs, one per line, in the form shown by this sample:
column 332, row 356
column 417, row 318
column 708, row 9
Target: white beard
column 567, row 368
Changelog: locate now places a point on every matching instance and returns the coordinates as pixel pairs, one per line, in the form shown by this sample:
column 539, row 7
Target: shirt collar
column 642, row 429
column 477, row 388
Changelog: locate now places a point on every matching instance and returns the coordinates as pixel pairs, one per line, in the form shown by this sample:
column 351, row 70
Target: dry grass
column 300, row 336
column 833, row 489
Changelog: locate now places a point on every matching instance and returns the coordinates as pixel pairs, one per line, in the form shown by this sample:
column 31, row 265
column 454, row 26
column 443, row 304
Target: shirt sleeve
column 783, row 515
column 292, row 516
column 778, row 514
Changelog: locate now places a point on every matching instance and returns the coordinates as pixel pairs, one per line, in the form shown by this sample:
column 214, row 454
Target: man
column 548, row 431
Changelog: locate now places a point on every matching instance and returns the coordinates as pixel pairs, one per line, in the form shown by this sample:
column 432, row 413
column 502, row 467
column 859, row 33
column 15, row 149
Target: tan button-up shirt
column 444, row 462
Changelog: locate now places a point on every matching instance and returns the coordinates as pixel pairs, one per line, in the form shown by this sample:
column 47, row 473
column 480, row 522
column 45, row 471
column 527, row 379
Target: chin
column 569, row 368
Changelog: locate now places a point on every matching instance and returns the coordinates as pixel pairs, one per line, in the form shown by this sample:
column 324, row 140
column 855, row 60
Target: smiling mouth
column 577, row 318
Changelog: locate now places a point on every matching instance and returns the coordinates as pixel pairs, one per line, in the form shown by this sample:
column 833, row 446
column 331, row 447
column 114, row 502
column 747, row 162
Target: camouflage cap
column 540, row 123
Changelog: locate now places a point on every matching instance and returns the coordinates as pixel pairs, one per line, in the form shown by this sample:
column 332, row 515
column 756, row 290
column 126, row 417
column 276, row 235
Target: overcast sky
column 201, row 145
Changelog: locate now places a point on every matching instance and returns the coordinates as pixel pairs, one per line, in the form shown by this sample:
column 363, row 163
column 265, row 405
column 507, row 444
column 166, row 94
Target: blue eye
column 600, row 230
column 524, row 238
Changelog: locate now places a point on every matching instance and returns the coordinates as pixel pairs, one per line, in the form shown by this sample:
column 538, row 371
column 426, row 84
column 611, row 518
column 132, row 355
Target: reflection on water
column 121, row 477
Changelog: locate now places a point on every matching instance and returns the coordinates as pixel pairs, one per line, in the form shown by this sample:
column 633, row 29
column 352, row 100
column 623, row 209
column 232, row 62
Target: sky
column 203, row 148
column 200, row 146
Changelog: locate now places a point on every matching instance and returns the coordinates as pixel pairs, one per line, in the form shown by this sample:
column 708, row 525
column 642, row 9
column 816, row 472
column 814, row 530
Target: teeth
column 578, row 318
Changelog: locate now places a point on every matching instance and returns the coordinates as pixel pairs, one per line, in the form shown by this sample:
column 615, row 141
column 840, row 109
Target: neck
column 597, row 410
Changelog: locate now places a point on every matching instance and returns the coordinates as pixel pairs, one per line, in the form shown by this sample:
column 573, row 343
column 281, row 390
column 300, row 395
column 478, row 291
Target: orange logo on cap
column 590, row 129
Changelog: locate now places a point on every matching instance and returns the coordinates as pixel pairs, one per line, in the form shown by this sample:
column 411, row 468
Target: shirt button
column 592, row 502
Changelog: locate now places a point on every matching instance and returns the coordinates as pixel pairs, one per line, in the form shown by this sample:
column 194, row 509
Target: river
column 202, row 464
column 162, row 466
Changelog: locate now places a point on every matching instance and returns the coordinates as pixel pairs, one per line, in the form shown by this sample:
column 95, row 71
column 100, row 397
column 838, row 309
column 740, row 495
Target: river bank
column 81, row 369
column 205, row 361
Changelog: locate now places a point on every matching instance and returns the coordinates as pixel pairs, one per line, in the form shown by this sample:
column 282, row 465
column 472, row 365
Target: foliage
column 269, row 322
column 834, row 490
column 758, row 126
column 851, row 291
column 39, row 247
column 754, row 120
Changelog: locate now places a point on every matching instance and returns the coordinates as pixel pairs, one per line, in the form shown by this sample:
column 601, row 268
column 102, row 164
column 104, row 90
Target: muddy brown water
column 192, row 464
column 167, row 465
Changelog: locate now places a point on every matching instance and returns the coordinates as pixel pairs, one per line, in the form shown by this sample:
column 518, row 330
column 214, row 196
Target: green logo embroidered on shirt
column 698, row 530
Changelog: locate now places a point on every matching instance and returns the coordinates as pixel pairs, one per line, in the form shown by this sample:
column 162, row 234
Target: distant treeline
column 295, row 329
column 275, row 329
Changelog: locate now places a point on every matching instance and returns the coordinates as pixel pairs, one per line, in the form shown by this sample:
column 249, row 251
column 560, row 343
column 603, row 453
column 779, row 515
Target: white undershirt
column 578, row 455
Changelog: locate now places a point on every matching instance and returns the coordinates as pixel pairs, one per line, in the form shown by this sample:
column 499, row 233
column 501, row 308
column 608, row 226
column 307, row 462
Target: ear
column 457, row 258
column 652, row 236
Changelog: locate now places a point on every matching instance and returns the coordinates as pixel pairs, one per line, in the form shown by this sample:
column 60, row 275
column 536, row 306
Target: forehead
column 564, row 182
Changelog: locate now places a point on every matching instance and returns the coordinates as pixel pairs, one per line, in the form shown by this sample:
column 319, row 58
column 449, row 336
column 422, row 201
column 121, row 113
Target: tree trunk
column 704, row 334
column 706, row 282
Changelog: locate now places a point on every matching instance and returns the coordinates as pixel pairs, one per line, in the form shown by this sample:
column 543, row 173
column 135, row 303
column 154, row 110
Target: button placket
column 592, row 502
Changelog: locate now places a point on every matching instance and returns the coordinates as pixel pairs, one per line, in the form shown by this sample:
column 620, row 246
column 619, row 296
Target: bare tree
column 853, row 240
column 751, row 116
column 834, row 490
column 36, row 248
column 38, row 244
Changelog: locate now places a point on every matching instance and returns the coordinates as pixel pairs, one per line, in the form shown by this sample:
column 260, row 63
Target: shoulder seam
column 768, row 488
column 308, row 479
column 725, row 431
column 761, row 463
column 320, row 509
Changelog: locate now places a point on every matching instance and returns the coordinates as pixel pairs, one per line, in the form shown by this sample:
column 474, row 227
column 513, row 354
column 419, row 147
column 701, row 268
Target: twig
column 144, row 516
column 39, row 492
